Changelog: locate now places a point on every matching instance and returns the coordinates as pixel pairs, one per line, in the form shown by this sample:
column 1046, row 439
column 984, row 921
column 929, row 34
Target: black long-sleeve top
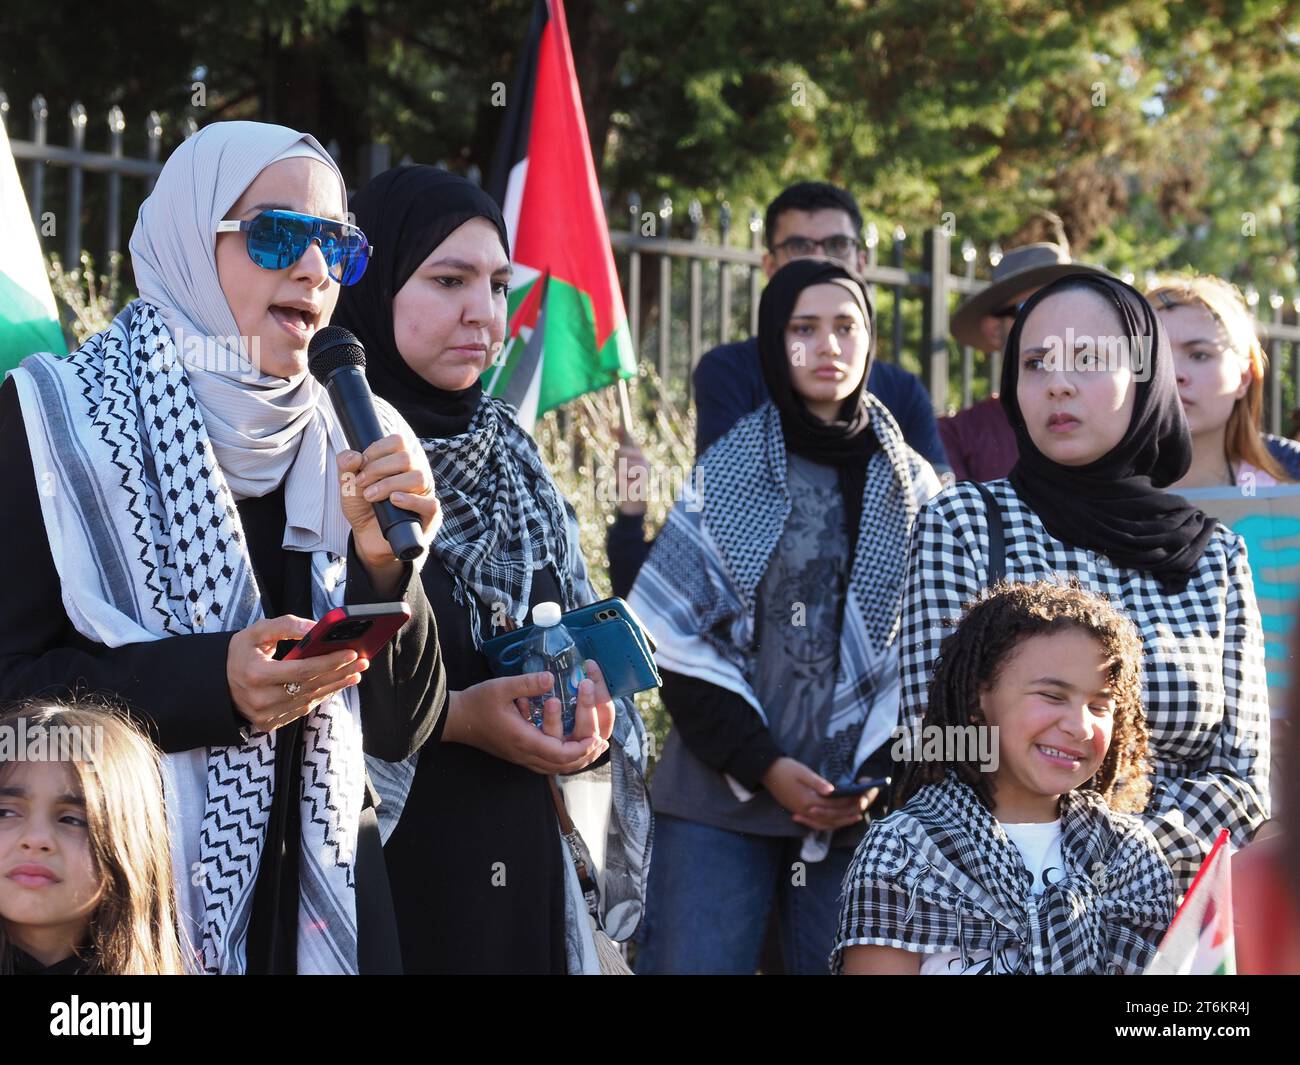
column 626, row 549
column 176, row 687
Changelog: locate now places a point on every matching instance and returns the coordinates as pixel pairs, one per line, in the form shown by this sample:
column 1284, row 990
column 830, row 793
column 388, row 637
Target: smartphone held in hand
column 365, row 629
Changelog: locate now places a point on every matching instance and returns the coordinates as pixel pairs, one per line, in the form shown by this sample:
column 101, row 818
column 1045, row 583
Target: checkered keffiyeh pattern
column 942, row 875
column 502, row 516
column 146, row 536
column 1204, row 684
column 698, row 590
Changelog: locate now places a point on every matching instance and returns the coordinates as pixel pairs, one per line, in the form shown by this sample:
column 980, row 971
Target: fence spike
column 72, row 219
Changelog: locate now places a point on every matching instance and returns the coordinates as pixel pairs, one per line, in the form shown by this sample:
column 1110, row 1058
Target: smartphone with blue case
column 607, row 631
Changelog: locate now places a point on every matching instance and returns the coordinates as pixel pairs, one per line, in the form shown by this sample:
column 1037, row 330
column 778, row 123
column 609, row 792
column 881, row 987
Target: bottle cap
column 546, row 614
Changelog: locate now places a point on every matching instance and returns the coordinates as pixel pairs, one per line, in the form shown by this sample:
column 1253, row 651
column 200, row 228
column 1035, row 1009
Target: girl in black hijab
column 477, row 864
column 774, row 598
column 1115, row 503
column 1088, row 386
column 846, row 442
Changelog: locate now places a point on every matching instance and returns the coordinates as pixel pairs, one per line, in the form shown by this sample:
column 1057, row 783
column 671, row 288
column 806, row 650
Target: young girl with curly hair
column 1031, row 860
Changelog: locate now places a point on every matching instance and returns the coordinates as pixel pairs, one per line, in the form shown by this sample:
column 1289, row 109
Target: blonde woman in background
column 1220, row 367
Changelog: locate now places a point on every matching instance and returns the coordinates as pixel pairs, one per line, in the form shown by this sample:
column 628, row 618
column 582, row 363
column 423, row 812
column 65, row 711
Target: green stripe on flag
column 25, row 326
column 572, row 366
column 29, row 319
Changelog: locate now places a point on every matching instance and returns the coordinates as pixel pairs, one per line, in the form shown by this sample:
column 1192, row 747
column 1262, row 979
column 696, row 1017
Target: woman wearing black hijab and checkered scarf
column 1088, row 386
column 480, row 877
column 774, row 598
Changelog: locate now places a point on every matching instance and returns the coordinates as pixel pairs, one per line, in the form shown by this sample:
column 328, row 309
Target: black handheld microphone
column 338, row 361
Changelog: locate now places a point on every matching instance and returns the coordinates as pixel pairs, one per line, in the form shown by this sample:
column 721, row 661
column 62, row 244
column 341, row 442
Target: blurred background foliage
column 1161, row 135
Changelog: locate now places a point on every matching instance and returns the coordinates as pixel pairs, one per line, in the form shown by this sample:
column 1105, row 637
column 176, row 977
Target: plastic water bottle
column 551, row 650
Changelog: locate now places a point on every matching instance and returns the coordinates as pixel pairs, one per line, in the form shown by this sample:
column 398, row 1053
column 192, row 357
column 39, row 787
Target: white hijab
column 264, row 429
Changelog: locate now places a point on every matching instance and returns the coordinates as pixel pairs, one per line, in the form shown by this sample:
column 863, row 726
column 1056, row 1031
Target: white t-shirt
column 1040, row 847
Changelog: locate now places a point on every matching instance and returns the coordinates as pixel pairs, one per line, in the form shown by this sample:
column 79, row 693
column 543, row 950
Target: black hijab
column 848, row 442
column 406, row 213
column 1114, row 505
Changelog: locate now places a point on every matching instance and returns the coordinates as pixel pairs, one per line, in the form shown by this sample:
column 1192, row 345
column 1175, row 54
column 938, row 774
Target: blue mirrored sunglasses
column 278, row 239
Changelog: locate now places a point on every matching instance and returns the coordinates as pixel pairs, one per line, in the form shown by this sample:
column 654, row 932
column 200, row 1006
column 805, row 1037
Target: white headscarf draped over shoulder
column 145, row 450
column 264, row 429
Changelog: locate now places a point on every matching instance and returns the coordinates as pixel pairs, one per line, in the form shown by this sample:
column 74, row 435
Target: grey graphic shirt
column 797, row 631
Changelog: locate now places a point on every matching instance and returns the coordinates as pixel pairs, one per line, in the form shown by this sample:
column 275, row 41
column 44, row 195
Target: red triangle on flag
column 525, row 316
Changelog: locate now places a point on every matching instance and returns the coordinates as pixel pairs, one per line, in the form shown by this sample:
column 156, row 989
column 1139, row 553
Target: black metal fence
column 695, row 286
column 683, row 293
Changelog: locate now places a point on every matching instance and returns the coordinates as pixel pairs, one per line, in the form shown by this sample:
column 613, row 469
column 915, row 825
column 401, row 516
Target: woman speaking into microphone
column 179, row 498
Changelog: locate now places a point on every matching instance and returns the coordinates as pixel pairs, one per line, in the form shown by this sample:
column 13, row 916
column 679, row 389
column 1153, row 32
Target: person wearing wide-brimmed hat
column 979, row 440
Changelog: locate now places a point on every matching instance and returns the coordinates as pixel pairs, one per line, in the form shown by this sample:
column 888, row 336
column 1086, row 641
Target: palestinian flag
column 29, row 320
column 567, row 331
column 1199, row 941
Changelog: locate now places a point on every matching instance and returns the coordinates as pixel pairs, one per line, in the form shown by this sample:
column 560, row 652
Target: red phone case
column 384, row 620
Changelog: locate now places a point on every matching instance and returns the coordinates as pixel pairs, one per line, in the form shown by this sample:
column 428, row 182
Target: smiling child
column 1036, row 866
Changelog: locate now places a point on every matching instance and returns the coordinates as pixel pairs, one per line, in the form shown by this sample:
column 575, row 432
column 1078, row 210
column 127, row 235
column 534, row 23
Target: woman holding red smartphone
column 175, row 505
column 479, row 875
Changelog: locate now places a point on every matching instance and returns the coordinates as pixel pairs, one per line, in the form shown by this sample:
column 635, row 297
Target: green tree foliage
column 1160, row 135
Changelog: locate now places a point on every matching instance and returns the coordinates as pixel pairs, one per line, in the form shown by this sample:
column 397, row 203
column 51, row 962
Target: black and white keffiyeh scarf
column 941, row 874
column 502, row 516
column 147, row 541
column 698, row 590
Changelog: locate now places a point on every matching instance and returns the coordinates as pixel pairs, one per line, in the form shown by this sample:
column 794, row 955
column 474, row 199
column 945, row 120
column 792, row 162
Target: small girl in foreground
column 85, row 869
column 1031, row 862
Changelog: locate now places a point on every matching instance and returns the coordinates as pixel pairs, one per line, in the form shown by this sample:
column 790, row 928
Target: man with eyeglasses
column 979, row 441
